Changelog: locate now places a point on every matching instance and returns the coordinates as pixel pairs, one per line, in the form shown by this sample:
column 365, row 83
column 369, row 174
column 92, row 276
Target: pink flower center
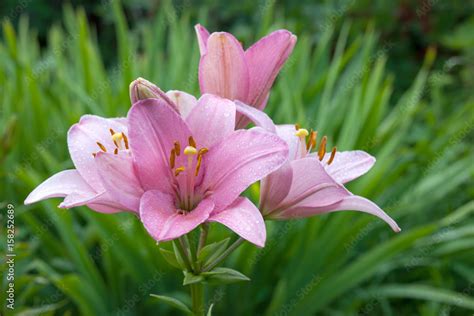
column 119, row 139
column 186, row 174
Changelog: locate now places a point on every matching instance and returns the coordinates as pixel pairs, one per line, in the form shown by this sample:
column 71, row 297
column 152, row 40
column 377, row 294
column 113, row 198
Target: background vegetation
column 392, row 78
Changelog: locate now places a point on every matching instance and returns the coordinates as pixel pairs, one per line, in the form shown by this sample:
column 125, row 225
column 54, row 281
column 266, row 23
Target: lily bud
column 141, row 89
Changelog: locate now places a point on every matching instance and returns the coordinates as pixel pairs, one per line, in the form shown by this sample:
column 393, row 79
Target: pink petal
column 223, row 70
column 265, row 58
column 60, row 185
column 141, row 89
column 212, row 120
column 163, row 221
column 275, row 187
column 119, row 179
column 202, row 36
column 154, row 128
column 245, row 219
column 352, row 202
column 184, row 101
column 349, row 165
column 241, row 159
column 259, row 118
column 82, row 142
column 310, row 187
column 100, row 202
column 287, row 133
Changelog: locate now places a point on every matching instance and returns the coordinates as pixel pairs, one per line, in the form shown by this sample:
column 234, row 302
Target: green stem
column 203, row 237
column 224, row 255
column 197, row 297
column 184, row 254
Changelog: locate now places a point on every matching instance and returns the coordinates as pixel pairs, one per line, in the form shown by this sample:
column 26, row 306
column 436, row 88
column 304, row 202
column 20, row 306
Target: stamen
column 322, row 148
column 297, row 126
column 302, row 133
column 102, row 147
column 115, row 151
column 172, row 158
column 111, row 131
column 311, row 140
column 125, row 140
column 177, row 171
column 191, row 141
column 333, row 154
column 177, row 148
column 190, row 150
column 202, row 151
column 94, row 154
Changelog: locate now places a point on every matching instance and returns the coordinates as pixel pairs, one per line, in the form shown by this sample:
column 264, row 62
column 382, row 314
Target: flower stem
column 197, row 297
column 224, row 255
column 203, row 237
column 184, row 254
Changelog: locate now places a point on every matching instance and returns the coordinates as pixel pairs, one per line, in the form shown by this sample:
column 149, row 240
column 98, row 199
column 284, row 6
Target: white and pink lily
column 313, row 183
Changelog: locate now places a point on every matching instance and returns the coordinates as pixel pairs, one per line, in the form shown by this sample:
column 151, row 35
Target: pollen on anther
column 177, row 171
column 172, row 158
column 177, row 148
column 191, row 141
column 125, row 140
column 333, row 154
column 102, row 147
column 322, row 148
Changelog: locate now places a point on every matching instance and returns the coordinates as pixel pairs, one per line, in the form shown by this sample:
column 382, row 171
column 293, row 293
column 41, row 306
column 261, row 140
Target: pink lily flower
column 313, row 183
column 194, row 169
column 100, row 151
column 226, row 70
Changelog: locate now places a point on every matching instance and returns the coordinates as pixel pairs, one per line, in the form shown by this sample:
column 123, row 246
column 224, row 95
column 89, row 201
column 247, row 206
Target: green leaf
column 190, row 278
column 209, row 312
column 173, row 303
column 224, row 276
column 212, row 251
column 171, row 258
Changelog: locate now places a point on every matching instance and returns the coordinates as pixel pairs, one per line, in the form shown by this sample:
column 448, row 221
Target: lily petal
column 259, row 118
column 349, row 165
column 119, row 179
column 60, row 185
column 82, row 142
column 244, row 218
column 163, row 221
column 352, row 202
column 212, row 120
column 184, row 101
column 154, row 127
column 241, row 159
column 100, row 202
column 310, row 187
column 287, row 133
column 265, row 58
column 202, row 35
column 223, row 70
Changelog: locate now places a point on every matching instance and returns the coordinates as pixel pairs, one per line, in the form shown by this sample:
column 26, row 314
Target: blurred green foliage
column 360, row 82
